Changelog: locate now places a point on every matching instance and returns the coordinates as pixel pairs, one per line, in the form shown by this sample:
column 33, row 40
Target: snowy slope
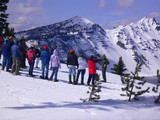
column 27, row 98
column 136, row 41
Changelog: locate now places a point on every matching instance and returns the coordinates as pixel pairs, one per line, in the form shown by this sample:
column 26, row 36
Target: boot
column 70, row 81
column 74, row 80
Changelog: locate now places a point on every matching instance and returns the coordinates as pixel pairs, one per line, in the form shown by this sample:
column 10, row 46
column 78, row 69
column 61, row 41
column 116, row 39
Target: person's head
column 80, row 55
column 103, row 56
column 36, row 45
column 45, row 47
column 71, row 51
column 91, row 57
column 10, row 38
column 16, row 42
column 52, row 47
column 6, row 40
column 55, row 52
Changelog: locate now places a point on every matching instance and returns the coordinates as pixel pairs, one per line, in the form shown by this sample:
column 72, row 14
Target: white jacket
column 82, row 63
column 55, row 61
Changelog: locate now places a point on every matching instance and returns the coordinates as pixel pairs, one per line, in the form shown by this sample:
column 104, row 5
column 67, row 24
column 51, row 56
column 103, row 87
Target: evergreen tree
column 9, row 32
column 134, row 84
column 94, row 89
column 3, row 15
column 155, row 89
column 119, row 68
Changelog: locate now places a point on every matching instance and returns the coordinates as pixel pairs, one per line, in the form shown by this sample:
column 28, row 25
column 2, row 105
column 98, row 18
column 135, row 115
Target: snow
column 27, row 98
column 140, row 38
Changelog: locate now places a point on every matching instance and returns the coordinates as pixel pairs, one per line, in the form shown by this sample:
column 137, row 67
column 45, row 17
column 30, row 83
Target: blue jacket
column 45, row 57
column 6, row 49
column 16, row 51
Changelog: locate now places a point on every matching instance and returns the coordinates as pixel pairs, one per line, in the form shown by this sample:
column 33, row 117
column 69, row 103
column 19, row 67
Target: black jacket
column 37, row 52
column 72, row 59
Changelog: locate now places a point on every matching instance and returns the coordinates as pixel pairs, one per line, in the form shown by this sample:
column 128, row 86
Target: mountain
column 136, row 41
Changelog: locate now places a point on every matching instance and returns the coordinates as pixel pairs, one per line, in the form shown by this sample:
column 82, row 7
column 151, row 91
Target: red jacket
column 92, row 65
column 1, row 39
column 31, row 56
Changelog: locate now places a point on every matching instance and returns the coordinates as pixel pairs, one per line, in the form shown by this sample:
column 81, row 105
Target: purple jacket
column 55, row 61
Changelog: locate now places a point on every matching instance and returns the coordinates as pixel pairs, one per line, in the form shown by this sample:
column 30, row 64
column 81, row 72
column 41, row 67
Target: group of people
column 81, row 64
column 17, row 53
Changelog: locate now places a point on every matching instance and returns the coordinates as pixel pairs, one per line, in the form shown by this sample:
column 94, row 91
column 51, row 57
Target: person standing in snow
column 24, row 52
column 92, row 61
column 51, row 52
column 6, row 51
column 11, row 42
column 16, row 55
column 45, row 58
column 104, row 62
column 72, row 63
column 55, row 64
column 31, row 58
column 81, row 69
column 1, row 41
column 38, row 54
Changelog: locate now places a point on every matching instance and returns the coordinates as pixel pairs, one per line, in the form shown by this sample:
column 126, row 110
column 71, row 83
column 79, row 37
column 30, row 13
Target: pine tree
column 119, row 68
column 3, row 15
column 134, row 84
column 155, row 89
column 9, row 32
column 94, row 89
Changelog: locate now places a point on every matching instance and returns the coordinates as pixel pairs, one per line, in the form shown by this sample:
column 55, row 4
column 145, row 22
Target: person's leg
column 93, row 77
column 70, row 73
column 32, row 67
column 82, row 76
column 8, row 63
column 56, row 73
column 89, row 79
column 4, row 63
column 53, row 72
column 13, row 65
column 47, row 70
column 74, row 74
column 104, row 74
column 18, row 63
column 78, row 73
column 43, row 69
column 29, row 68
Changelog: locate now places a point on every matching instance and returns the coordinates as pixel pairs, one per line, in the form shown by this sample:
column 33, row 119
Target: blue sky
column 26, row 14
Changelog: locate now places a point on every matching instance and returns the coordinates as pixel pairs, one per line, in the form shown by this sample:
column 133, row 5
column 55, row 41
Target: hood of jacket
column 55, row 52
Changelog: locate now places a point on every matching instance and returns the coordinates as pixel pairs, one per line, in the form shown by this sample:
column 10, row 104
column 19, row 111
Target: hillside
column 27, row 98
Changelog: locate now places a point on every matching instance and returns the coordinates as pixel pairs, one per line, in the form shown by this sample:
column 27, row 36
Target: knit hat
column 45, row 47
column 10, row 37
column 5, row 39
column 71, row 51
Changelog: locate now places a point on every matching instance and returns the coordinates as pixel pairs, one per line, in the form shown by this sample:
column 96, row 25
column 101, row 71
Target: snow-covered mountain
column 136, row 41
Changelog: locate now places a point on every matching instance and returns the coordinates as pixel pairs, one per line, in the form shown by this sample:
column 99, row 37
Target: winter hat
column 10, row 37
column 45, row 47
column 5, row 39
column 71, row 51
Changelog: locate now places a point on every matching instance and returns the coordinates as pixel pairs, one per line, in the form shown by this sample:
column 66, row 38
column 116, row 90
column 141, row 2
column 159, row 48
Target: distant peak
column 78, row 19
column 148, row 20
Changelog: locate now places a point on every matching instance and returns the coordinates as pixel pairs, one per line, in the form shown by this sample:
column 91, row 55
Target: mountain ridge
column 134, row 42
